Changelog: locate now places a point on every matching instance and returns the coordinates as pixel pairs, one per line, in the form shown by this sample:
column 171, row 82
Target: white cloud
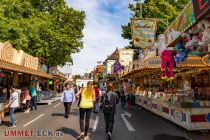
column 102, row 32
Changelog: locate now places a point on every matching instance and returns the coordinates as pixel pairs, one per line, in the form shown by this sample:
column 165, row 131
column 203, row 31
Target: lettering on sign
column 143, row 32
column 7, row 52
column 154, row 62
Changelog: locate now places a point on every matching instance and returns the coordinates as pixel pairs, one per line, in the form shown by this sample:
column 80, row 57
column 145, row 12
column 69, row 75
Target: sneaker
column 12, row 126
column 81, row 136
column 109, row 135
column 86, row 138
column 26, row 111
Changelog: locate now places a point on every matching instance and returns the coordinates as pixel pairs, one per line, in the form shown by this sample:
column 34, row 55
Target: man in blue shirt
column 68, row 97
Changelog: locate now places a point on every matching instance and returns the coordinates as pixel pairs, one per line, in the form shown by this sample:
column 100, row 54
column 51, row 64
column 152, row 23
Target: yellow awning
column 17, row 68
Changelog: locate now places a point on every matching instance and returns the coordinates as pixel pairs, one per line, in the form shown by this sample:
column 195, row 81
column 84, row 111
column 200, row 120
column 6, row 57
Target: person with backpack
column 14, row 103
column 109, row 108
column 68, row 97
column 87, row 96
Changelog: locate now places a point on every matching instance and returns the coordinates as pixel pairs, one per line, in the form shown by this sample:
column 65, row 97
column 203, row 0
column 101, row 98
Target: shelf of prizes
column 183, row 99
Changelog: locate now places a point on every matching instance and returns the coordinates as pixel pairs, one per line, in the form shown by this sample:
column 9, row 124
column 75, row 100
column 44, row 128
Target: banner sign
column 126, row 56
column 10, row 55
column 181, row 24
column 143, row 32
column 201, row 8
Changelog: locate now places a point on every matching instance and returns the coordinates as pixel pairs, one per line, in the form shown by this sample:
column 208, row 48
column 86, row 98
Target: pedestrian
column 87, row 95
column 97, row 98
column 33, row 94
column 67, row 98
column 13, row 104
column 109, row 108
column 79, row 96
column 26, row 99
column 3, row 98
column 122, row 94
column 129, row 101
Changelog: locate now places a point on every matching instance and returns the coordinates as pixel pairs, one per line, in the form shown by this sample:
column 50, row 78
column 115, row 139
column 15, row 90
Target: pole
column 140, row 9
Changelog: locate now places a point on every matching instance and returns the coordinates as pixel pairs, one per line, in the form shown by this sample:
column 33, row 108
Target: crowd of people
column 12, row 99
column 90, row 99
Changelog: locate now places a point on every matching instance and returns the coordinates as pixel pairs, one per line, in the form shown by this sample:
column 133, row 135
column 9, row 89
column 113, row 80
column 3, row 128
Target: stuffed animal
column 180, row 51
column 167, row 64
column 185, row 37
column 204, row 26
column 160, row 45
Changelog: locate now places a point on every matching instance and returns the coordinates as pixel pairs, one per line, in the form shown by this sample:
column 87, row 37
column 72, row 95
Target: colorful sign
column 178, row 115
column 143, row 32
column 201, row 8
column 154, row 62
column 182, row 23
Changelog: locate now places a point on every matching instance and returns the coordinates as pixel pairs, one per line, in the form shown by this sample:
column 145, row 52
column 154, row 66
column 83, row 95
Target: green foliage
column 42, row 28
column 160, row 9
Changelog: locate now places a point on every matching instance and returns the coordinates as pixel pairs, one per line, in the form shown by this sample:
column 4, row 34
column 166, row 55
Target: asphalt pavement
column 132, row 124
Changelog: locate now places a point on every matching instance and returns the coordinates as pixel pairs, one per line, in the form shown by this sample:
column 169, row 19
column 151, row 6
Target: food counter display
column 179, row 108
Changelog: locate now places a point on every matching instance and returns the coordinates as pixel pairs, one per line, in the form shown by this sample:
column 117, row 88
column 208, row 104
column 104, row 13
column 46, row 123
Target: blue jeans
column 33, row 103
column 12, row 115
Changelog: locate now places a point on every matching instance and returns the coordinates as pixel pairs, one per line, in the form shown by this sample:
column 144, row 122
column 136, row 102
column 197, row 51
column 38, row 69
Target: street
column 137, row 125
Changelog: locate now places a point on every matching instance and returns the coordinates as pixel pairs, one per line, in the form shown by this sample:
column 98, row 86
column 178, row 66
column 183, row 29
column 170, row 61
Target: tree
column 44, row 28
column 161, row 9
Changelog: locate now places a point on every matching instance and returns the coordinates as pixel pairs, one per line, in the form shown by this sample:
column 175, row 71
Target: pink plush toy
column 167, row 64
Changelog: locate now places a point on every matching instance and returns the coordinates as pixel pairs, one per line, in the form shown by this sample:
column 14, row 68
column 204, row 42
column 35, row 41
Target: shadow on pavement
column 69, row 131
column 168, row 137
column 6, row 123
column 57, row 114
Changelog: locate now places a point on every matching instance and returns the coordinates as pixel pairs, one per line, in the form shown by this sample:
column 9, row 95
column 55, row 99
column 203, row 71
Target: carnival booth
column 173, row 78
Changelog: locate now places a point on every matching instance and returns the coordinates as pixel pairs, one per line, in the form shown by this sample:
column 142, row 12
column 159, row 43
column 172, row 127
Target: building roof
column 114, row 55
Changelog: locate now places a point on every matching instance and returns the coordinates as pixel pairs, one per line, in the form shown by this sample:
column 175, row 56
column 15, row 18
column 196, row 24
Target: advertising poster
column 126, row 56
column 182, row 23
column 143, row 32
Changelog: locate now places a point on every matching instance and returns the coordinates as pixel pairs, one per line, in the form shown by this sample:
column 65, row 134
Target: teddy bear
column 204, row 26
column 160, row 45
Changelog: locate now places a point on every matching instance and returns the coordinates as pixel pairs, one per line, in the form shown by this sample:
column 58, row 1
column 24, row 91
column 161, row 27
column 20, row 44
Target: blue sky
column 102, row 32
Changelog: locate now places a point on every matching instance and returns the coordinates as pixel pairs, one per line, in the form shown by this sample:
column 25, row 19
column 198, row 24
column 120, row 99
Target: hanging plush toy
column 180, row 51
column 167, row 64
column 160, row 45
column 205, row 27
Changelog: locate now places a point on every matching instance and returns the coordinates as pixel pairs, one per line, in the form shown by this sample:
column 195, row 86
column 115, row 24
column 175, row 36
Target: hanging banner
column 183, row 22
column 143, row 32
column 201, row 8
column 126, row 56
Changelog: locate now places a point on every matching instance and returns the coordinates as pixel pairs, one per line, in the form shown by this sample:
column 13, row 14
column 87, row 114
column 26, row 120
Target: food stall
column 179, row 89
column 175, row 100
